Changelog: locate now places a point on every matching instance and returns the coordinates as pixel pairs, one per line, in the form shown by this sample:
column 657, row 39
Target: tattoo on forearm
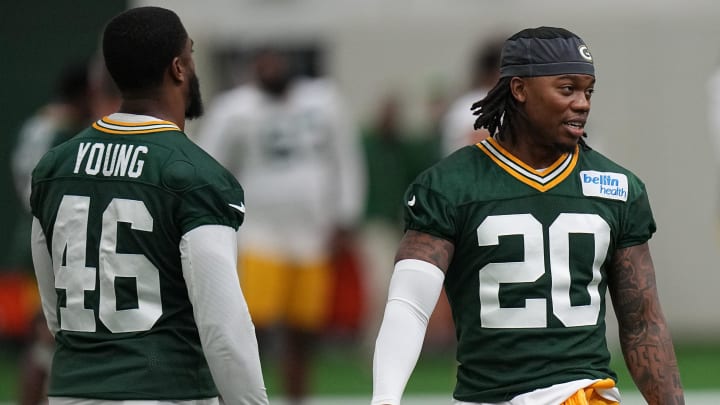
column 645, row 339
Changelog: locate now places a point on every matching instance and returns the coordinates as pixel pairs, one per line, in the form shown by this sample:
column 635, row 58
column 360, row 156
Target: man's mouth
column 575, row 124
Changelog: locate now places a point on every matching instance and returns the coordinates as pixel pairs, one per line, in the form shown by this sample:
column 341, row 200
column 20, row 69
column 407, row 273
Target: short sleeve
column 208, row 195
column 638, row 223
column 210, row 205
column 429, row 212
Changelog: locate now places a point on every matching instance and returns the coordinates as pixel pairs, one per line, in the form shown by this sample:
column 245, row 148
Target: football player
column 527, row 230
column 134, row 241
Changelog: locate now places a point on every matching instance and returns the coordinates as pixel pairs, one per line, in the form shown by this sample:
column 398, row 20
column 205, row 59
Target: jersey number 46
column 69, row 246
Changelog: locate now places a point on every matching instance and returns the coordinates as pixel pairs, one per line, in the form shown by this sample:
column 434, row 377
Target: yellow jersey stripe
column 135, row 124
column 127, row 128
column 541, row 181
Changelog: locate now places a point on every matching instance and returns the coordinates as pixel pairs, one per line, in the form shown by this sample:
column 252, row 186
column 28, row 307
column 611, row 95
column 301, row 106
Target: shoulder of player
column 453, row 172
column 189, row 166
column 595, row 160
column 48, row 162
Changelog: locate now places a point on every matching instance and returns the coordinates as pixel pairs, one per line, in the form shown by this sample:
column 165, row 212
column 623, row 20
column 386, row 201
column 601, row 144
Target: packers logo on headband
column 585, row 52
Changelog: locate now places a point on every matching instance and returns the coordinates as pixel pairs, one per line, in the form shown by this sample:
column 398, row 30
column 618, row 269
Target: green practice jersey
column 527, row 282
column 114, row 203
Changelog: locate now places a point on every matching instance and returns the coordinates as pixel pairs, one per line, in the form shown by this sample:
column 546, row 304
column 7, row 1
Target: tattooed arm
column 644, row 335
column 415, row 287
column 422, row 246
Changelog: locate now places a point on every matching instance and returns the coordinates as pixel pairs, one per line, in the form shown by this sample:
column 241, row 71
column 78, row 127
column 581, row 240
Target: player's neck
column 532, row 154
column 155, row 107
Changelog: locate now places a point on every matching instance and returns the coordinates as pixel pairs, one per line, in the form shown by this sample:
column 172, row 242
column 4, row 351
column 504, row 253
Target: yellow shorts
column 292, row 293
column 590, row 396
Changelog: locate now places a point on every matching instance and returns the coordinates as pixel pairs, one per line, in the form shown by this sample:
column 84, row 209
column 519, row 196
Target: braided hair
column 497, row 110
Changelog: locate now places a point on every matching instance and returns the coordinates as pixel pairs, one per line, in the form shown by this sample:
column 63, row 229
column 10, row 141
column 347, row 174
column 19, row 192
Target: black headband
column 528, row 56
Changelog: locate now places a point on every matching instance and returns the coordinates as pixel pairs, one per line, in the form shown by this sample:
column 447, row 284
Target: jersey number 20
column 72, row 274
column 534, row 313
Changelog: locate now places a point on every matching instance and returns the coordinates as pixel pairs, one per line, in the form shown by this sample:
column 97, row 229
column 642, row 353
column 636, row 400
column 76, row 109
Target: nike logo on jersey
column 240, row 207
column 609, row 185
column 411, row 203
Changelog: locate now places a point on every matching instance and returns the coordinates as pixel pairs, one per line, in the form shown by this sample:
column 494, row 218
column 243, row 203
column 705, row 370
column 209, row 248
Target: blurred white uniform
column 35, row 139
column 458, row 125
column 297, row 159
column 713, row 90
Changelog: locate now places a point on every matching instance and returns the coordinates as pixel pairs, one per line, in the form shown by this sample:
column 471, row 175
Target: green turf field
column 343, row 372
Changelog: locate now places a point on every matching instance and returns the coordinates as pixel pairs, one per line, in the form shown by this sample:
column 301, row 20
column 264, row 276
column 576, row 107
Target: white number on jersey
column 72, row 275
column 533, row 314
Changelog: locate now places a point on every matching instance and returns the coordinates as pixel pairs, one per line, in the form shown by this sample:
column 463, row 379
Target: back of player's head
column 545, row 51
column 139, row 44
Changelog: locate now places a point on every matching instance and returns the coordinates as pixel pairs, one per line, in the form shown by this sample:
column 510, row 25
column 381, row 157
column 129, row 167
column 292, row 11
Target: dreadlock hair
column 496, row 112
column 139, row 44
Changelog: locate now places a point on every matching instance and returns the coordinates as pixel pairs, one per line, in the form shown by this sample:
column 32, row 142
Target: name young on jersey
column 110, row 159
column 604, row 184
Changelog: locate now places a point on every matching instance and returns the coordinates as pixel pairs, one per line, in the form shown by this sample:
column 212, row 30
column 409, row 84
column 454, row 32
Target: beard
column 565, row 147
column 570, row 147
column 195, row 107
column 275, row 86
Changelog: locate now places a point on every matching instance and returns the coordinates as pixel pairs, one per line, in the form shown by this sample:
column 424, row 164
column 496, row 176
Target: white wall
column 653, row 58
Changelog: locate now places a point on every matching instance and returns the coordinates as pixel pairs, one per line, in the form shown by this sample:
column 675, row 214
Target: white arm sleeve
column 42, row 262
column 227, row 334
column 414, row 290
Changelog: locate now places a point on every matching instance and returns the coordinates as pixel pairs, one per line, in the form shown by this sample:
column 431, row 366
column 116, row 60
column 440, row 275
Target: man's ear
column 177, row 70
column 518, row 88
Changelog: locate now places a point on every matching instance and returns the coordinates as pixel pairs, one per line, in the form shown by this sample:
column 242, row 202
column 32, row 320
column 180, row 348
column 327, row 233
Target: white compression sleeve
column 227, row 334
column 42, row 262
column 414, row 290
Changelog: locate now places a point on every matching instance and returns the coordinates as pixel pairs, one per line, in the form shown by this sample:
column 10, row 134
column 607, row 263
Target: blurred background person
column 60, row 119
column 291, row 143
column 395, row 154
column 105, row 98
column 458, row 124
column 713, row 94
column 388, row 155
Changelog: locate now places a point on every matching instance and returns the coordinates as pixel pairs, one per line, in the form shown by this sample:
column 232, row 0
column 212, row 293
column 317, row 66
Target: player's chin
column 567, row 145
